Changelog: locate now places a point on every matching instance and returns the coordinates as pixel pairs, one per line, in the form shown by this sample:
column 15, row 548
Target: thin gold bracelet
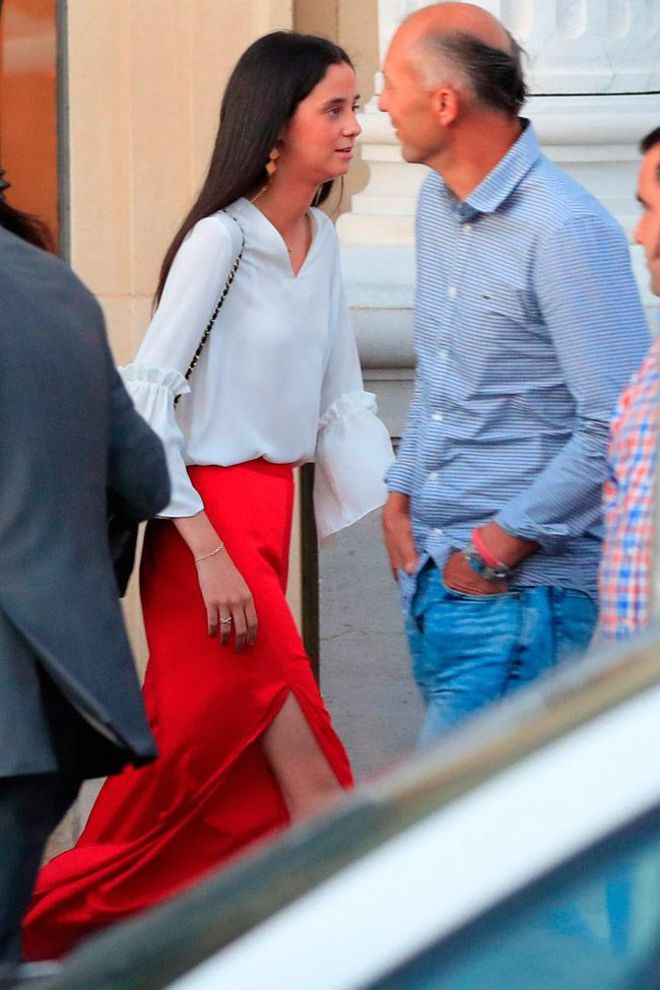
column 205, row 556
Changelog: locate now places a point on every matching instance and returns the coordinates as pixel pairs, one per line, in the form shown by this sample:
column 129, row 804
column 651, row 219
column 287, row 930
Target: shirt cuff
column 550, row 536
column 353, row 450
column 153, row 391
column 399, row 478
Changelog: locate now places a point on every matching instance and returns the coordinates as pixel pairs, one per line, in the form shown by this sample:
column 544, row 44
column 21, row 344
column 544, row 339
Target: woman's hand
column 225, row 593
column 228, row 600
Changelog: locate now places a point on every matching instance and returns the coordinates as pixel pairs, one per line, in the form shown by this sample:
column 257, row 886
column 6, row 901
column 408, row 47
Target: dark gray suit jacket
column 69, row 692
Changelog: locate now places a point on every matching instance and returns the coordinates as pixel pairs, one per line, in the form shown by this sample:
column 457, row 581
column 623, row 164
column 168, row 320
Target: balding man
column 527, row 325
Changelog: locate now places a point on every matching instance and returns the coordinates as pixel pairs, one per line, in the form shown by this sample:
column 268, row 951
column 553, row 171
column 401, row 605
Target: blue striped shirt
column 528, row 325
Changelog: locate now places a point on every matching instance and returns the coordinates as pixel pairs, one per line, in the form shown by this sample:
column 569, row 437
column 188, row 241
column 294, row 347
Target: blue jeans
column 470, row 650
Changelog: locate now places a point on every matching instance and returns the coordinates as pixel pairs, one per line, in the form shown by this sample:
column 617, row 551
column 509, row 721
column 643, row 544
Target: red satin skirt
column 211, row 793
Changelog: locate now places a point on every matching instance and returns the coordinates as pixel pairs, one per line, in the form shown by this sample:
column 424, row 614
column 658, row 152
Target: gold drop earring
column 271, row 164
column 271, row 169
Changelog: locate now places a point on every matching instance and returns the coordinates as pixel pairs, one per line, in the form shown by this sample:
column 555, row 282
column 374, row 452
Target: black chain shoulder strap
column 214, row 315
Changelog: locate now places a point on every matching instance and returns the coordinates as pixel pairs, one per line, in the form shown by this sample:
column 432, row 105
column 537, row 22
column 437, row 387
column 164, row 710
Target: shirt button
column 433, row 475
column 467, row 227
column 451, row 291
column 442, row 354
column 438, row 530
column 438, row 417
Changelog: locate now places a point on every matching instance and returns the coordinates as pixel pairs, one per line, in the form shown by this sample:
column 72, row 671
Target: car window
column 593, row 924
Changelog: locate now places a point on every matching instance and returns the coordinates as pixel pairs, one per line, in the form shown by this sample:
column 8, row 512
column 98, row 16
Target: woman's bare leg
column 302, row 770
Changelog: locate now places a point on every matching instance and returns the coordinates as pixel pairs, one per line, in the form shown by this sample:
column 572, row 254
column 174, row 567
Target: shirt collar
column 503, row 179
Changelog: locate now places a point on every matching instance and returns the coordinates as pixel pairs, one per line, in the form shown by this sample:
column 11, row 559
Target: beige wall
column 351, row 23
column 145, row 87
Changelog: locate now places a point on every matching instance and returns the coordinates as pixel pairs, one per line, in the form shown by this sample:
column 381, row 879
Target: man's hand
column 459, row 576
column 397, row 531
column 510, row 550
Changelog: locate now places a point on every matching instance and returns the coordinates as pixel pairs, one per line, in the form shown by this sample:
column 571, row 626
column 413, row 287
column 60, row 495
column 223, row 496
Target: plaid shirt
column 625, row 573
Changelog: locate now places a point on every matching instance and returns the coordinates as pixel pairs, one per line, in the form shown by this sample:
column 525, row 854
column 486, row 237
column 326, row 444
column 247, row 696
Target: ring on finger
column 224, row 622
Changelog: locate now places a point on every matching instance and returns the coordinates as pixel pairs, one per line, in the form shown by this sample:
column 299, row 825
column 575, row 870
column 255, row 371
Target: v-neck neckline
column 284, row 251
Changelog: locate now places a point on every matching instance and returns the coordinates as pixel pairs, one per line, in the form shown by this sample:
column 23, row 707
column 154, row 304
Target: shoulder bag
column 123, row 531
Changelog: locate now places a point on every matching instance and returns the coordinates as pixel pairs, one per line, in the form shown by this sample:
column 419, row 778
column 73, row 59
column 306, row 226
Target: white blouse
column 279, row 377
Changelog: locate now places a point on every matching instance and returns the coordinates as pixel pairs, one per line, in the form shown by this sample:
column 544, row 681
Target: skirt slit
column 211, row 793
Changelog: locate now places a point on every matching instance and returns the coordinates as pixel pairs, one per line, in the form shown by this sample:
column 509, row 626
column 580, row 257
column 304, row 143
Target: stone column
column 594, row 74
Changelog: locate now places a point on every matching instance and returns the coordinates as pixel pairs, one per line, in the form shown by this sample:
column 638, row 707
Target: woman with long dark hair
column 246, row 744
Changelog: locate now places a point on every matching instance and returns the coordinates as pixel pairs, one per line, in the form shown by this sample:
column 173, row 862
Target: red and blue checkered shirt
column 625, row 573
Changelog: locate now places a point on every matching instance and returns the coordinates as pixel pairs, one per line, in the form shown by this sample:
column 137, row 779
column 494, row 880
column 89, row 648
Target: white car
column 523, row 853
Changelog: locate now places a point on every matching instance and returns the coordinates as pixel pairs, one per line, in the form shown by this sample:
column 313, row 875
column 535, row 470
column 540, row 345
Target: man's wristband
column 483, row 561
column 483, row 551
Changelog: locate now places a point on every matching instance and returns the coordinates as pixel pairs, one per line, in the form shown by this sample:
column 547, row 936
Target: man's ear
column 445, row 105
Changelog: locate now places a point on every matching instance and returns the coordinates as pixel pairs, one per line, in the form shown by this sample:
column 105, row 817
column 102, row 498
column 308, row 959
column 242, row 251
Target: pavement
column 365, row 666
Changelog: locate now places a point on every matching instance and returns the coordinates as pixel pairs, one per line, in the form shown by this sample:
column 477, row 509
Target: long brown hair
column 29, row 228
column 270, row 79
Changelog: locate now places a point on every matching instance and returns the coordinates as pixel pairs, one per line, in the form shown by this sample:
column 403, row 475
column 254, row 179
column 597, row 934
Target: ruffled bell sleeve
column 353, row 449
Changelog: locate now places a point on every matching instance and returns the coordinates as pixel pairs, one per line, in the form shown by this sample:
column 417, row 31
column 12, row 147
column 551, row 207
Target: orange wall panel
column 28, row 106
